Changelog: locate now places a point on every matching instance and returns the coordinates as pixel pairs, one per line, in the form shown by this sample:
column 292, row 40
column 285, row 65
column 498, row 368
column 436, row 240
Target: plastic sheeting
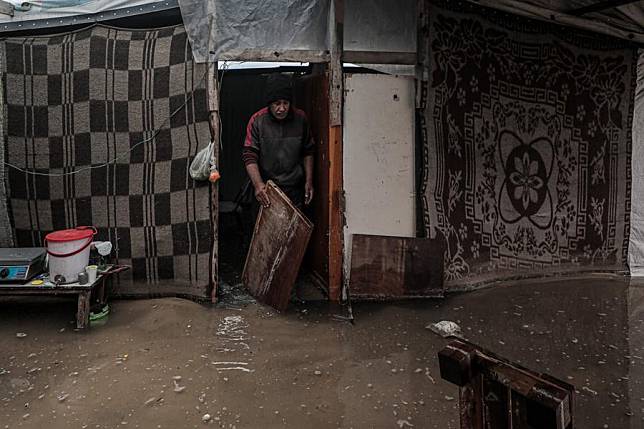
column 636, row 245
column 48, row 9
column 233, row 28
column 380, row 25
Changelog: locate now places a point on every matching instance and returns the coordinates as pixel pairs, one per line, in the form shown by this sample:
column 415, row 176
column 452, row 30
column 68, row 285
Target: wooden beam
column 336, row 95
column 335, row 66
column 300, row 56
column 599, row 7
column 374, row 57
column 213, row 119
column 336, row 215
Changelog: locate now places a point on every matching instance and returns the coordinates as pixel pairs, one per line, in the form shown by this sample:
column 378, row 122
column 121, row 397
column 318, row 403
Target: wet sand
column 248, row 366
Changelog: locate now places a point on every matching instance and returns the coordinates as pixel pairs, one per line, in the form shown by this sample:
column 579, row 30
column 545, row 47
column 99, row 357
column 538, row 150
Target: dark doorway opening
column 242, row 93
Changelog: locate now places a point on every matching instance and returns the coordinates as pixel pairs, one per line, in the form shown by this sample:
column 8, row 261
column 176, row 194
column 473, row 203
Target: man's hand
column 262, row 196
column 308, row 193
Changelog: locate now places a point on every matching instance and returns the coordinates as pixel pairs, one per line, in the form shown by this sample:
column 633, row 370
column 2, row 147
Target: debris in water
column 150, row 401
column 429, row 376
column 21, row 335
column 589, row 390
column 317, row 372
column 62, row 397
column 445, row 328
column 404, row 423
column 206, row 418
column 177, row 388
column 235, row 368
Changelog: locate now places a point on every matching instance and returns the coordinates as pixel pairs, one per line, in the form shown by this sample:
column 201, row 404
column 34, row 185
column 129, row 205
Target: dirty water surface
column 172, row 363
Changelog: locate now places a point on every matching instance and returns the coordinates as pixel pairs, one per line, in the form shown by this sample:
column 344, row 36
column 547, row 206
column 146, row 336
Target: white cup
column 92, row 271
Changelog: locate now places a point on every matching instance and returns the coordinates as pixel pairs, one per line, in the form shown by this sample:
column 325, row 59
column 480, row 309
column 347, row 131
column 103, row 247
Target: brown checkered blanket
column 81, row 99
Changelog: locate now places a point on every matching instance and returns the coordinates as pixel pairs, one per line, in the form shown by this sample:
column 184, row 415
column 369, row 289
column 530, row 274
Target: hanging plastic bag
column 202, row 165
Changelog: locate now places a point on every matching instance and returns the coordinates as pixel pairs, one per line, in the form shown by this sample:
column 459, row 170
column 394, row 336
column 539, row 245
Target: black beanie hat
column 278, row 87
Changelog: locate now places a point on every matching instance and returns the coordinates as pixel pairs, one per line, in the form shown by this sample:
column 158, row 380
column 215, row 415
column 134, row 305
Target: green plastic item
column 100, row 315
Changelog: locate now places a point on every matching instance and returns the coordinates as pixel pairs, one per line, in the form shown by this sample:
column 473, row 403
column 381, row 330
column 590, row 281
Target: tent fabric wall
column 528, row 146
column 6, row 230
column 82, row 99
column 636, row 249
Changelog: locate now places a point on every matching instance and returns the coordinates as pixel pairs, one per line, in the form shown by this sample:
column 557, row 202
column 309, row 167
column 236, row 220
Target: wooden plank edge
column 213, row 119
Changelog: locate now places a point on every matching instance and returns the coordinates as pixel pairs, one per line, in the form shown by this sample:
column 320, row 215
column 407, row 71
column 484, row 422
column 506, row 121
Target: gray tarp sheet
column 230, row 28
column 381, row 25
column 636, row 245
column 48, row 9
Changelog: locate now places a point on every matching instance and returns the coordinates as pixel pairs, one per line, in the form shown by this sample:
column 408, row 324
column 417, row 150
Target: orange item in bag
column 214, row 176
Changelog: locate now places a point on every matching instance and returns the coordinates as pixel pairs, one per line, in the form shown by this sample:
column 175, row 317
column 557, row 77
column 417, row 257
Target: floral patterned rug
column 527, row 146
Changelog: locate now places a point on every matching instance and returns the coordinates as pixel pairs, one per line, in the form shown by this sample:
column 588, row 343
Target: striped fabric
column 79, row 100
column 6, row 230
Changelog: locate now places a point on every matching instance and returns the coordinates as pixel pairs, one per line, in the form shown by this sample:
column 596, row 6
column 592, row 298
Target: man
column 279, row 146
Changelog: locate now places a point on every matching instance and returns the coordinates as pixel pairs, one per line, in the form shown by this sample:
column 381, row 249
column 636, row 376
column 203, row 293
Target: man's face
column 279, row 108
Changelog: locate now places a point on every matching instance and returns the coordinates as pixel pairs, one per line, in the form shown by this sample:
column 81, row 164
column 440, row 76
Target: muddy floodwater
column 172, row 363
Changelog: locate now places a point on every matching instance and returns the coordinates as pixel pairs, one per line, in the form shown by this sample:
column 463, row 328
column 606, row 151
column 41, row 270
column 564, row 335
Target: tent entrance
column 242, row 94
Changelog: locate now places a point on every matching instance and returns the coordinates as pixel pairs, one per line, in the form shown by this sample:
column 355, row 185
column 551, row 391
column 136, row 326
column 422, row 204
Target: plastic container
column 68, row 252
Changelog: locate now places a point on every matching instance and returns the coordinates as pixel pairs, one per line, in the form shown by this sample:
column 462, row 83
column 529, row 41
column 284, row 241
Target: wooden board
column 279, row 241
column 312, row 96
column 395, row 267
column 496, row 393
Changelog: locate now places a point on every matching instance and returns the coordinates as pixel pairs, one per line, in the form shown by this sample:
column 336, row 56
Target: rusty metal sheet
column 279, row 241
column 396, row 267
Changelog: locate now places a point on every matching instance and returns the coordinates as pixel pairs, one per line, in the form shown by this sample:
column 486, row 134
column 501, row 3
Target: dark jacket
column 278, row 147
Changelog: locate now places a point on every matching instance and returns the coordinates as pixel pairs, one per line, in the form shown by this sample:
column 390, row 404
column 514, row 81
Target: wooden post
column 336, row 196
column 335, row 66
column 82, row 315
column 213, row 118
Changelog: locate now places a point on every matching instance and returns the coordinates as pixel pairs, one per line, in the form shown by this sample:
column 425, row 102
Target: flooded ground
column 171, row 363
